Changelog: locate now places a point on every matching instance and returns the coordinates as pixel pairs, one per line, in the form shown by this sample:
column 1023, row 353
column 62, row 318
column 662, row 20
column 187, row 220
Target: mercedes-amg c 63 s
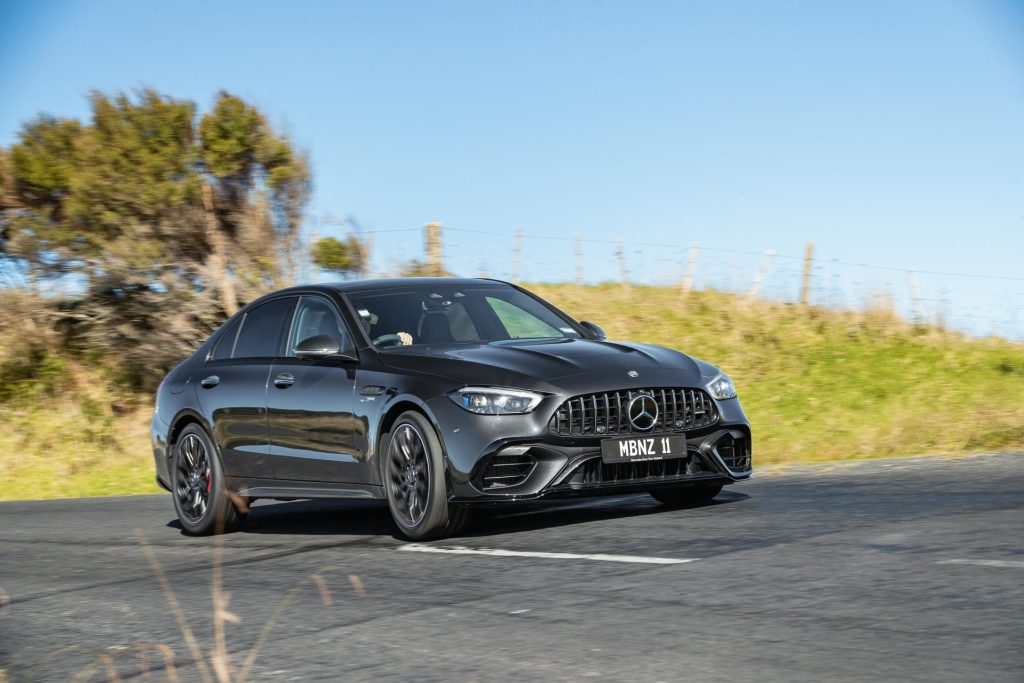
column 436, row 395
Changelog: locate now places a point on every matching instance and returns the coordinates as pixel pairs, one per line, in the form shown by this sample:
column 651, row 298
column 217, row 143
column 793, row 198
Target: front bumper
column 558, row 467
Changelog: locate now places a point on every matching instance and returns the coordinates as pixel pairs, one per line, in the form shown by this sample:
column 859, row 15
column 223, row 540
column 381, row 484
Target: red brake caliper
column 209, row 482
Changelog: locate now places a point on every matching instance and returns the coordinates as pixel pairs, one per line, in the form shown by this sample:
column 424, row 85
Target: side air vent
column 734, row 450
column 504, row 471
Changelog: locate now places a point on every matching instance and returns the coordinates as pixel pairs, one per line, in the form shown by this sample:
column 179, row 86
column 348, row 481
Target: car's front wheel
column 200, row 497
column 687, row 496
column 414, row 479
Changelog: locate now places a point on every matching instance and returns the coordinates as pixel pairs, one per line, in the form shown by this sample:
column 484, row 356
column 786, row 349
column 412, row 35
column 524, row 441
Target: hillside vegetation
column 817, row 385
column 825, row 385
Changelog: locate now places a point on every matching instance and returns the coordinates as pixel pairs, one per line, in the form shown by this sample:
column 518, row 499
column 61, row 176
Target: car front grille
column 606, row 413
column 595, row 472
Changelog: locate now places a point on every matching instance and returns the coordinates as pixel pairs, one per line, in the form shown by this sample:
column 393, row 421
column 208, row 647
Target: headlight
column 721, row 387
column 491, row 401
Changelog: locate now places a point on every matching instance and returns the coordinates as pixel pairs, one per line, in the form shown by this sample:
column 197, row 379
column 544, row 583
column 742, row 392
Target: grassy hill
column 817, row 385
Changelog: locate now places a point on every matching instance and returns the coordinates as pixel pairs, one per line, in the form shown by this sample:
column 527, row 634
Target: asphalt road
column 909, row 570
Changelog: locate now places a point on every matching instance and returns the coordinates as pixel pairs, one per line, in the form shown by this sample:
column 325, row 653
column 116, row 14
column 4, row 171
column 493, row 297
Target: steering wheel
column 386, row 340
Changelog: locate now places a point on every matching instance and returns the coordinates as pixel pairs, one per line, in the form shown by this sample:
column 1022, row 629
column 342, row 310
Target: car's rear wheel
column 414, row 479
column 200, row 497
column 687, row 496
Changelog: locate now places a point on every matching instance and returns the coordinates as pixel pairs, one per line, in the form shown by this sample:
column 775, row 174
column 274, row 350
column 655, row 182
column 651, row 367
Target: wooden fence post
column 367, row 244
column 805, row 289
column 435, row 265
column 761, row 272
column 691, row 265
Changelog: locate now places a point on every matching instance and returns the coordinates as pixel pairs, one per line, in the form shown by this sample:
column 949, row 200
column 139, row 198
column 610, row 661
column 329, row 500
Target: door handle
column 209, row 382
column 284, row 380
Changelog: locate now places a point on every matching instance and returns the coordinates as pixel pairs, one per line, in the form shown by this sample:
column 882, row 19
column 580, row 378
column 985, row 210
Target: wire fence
column 974, row 303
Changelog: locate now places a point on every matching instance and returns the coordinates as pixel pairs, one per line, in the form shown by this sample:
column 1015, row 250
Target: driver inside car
column 370, row 320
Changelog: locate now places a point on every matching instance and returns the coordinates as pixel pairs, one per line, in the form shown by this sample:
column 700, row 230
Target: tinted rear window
column 226, row 341
column 262, row 329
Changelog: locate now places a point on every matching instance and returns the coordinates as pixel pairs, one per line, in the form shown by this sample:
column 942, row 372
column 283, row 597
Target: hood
column 565, row 365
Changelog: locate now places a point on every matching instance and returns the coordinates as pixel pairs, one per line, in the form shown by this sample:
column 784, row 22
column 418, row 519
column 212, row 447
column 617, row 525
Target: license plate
column 641, row 448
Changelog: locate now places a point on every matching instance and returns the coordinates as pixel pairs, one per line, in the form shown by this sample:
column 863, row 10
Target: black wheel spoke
column 193, row 478
column 408, row 475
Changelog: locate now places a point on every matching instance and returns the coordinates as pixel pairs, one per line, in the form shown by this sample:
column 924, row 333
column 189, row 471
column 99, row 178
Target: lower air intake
column 734, row 450
column 595, row 472
column 504, row 471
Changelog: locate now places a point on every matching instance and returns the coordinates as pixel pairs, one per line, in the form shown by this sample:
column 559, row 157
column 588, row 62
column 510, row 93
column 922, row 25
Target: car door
column 232, row 387
column 311, row 403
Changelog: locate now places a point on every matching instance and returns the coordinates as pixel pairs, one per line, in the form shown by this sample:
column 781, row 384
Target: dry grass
column 83, row 440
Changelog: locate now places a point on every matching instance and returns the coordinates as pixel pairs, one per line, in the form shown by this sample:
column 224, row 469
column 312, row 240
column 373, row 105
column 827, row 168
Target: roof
column 401, row 282
column 377, row 284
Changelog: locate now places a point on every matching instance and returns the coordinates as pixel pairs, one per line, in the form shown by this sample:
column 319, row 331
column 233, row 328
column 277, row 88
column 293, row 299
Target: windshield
column 476, row 314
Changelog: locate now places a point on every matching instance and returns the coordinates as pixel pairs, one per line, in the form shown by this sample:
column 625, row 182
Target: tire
column 197, row 486
column 687, row 496
column 413, row 472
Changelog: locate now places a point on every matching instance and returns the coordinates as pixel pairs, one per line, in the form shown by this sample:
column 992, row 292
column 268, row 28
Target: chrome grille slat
column 605, row 413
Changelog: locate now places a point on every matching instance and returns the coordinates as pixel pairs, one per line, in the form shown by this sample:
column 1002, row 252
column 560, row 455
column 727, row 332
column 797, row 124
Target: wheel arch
column 182, row 420
column 403, row 404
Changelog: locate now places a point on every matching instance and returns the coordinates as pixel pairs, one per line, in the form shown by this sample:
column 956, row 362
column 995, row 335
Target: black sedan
column 436, row 394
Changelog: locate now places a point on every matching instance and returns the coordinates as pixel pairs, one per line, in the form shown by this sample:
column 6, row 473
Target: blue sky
column 890, row 133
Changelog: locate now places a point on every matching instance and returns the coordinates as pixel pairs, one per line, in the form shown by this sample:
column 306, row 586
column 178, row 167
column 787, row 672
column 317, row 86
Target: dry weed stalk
column 105, row 661
column 217, row 665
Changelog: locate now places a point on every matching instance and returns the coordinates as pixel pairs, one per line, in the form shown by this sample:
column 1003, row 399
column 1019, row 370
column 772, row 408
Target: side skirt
column 291, row 490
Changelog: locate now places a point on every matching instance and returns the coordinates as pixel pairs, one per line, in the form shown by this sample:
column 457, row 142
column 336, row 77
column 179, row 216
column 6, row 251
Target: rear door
column 311, row 403
column 232, row 387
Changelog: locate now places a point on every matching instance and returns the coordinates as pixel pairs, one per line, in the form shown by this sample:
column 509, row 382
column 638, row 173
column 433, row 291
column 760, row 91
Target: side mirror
column 595, row 331
column 320, row 346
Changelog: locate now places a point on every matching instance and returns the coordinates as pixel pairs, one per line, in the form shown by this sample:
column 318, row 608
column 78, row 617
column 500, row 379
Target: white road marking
column 1014, row 564
column 498, row 552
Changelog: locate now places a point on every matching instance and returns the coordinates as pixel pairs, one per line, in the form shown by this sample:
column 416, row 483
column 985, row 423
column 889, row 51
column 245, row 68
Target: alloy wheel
column 193, row 480
column 408, row 474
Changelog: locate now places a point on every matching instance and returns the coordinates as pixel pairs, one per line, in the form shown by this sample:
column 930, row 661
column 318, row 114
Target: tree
column 346, row 257
column 158, row 223
column 258, row 189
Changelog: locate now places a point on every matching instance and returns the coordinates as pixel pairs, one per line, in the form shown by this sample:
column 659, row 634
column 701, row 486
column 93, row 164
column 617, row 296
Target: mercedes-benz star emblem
column 642, row 412
column 633, row 373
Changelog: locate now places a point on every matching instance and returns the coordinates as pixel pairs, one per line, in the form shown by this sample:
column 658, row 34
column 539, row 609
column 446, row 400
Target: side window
column 316, row 316
column 519, row 323
column 262, row 329
column 226, row 341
